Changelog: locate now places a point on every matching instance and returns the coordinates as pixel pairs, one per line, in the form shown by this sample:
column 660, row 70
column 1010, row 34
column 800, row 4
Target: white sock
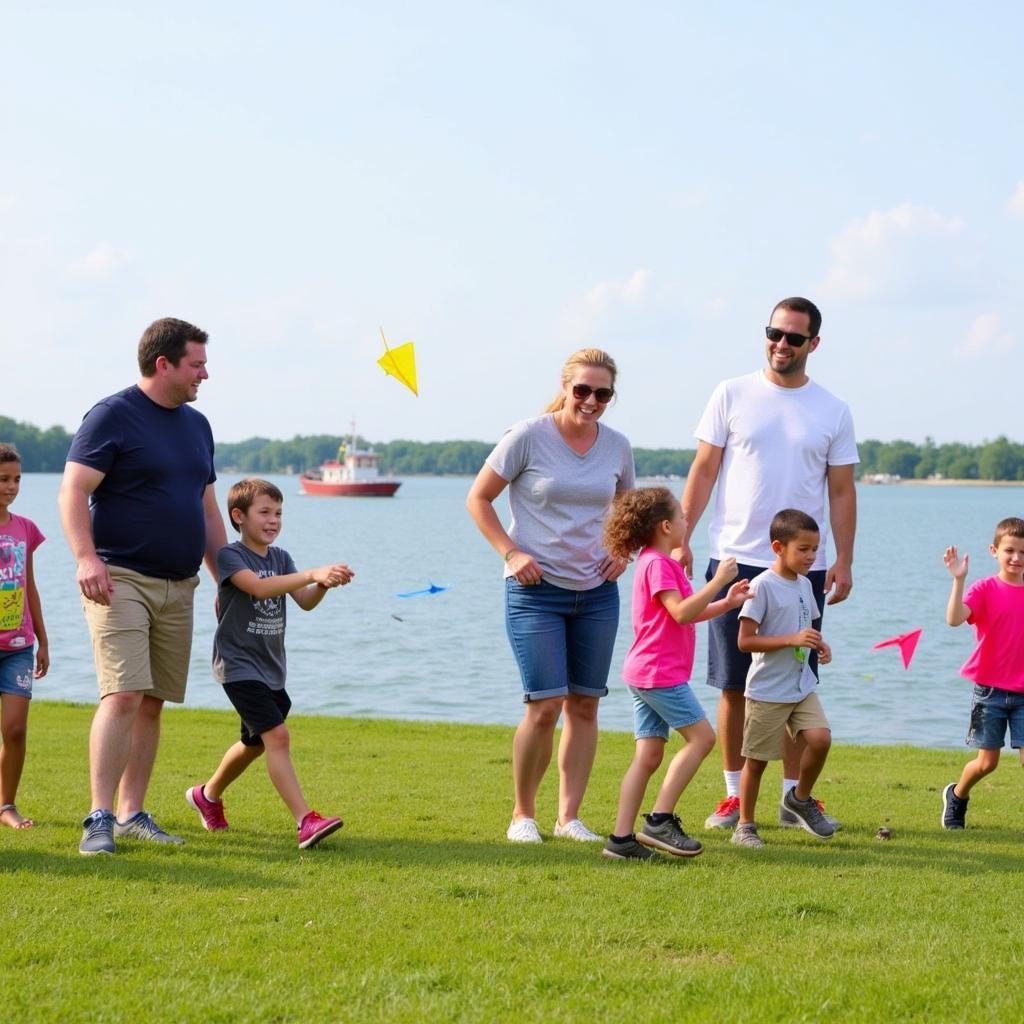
column 732, row 783
column 787, row 785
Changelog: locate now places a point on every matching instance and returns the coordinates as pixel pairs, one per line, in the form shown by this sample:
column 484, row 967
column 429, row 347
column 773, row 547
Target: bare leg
column 576, row 752
column 281, row 771
column 110, row 744
column 531, row 753
column 974, row 771
column 237, row 758
column 750, row 786
column 645, row 763
column 700, row 739
column 792, row 752
column 145, row 738
column 732, row 705
column 14, row 734
column 816, row 744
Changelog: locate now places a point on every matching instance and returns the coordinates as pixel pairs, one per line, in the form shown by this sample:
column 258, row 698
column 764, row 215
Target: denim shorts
column 992, row 710
column 562, row 639
column 16, row 668
column 659, row 709
column 727, row 664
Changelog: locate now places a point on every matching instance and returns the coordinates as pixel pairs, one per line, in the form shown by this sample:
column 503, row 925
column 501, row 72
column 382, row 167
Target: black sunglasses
column 601, row 395
column 793, row 340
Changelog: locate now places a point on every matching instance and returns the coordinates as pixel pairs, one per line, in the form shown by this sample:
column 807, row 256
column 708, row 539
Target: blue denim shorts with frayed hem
column 992, row 710
column 660, row 709
column 562, row 639
column 16, row 670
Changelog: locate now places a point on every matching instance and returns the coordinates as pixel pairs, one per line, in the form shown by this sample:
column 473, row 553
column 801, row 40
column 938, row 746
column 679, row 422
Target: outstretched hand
column 738, row 593
column 956, row 565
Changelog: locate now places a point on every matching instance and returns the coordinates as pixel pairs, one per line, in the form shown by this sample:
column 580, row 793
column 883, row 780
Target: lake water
column 446, row 657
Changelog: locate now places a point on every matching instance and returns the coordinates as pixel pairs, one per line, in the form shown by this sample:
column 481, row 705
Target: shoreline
column 948, row 483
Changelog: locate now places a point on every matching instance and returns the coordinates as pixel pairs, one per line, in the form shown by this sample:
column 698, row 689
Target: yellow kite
column 399, row 363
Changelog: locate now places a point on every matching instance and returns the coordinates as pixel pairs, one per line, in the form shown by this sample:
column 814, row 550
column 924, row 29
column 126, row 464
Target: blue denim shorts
column 992, row 710
column 658, row 710
column 727, row 664
column 16, row 668
column 562, row 639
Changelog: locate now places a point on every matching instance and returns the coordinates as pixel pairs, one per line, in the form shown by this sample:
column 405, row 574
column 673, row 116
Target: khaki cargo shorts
column 143, row 640
column 764, row 724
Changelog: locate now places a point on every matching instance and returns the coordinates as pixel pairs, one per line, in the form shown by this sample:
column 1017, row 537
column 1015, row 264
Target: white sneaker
column 524, row 831
column 575, row 829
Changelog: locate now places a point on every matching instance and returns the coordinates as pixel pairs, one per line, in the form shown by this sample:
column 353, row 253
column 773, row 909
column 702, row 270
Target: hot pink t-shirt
column 997, row 614
column 18, row 539
column 662, row 651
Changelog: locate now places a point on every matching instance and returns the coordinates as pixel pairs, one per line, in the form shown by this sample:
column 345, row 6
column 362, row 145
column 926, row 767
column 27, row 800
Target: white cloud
column 987, row 337
column 100, row 261
column 1016, row 203
column 608, row 294
column 906, row 253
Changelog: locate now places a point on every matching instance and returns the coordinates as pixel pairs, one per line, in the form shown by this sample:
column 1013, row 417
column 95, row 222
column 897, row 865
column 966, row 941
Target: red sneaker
column 726, row 814
column 211, row 812
column 314, row 828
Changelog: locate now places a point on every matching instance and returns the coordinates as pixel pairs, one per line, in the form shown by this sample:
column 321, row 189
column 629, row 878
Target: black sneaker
column 808, row 815
column 670, row 837
column 954, row 808
column 626, row 849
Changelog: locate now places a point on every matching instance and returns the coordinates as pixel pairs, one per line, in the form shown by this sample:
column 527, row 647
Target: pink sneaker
column 314, row 828
column 211, row 812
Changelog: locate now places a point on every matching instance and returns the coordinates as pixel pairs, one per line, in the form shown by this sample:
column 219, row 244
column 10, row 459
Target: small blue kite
column 432, row 589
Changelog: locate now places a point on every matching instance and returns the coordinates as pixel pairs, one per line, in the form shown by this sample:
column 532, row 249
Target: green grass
column 418, row 910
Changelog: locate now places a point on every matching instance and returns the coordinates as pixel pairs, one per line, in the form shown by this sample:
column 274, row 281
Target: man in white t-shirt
column 772, row 439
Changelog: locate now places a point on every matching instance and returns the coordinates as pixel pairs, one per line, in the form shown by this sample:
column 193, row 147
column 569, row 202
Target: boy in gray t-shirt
column 776, row 629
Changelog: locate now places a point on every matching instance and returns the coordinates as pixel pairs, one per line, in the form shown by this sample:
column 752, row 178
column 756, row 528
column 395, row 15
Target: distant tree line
column 44, row 451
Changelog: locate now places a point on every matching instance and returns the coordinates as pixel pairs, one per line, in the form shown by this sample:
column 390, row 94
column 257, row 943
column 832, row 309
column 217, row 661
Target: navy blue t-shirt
column 147, row 513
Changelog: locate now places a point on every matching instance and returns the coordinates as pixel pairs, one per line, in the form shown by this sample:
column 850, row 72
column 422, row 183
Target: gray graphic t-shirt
column 249, row 643
column 780, row 607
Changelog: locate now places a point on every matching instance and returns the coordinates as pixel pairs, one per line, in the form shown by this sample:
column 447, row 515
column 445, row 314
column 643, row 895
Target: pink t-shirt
column 997, row 614
column 18, row 539
column 662, row 651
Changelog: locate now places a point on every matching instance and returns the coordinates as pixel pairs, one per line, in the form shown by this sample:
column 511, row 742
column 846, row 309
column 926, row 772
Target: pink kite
column 907, row 643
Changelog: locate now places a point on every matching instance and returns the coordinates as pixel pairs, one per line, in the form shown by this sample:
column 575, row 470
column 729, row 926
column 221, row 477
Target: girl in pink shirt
column 995, row 607
column 658, row 667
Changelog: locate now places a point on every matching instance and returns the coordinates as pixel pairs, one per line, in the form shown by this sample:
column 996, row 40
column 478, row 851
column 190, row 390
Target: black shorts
column 260, row 708
column 727, row 664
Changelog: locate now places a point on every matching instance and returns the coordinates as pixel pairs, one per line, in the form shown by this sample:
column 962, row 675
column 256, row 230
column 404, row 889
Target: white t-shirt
column 778, row 445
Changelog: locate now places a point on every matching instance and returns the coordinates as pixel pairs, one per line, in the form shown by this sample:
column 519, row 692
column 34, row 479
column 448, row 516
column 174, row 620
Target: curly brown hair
column 633, row 517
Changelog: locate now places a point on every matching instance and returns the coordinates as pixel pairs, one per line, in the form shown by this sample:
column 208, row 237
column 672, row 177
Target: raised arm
column 262, row 587
column 695, row 607
column 842, row 510
column 480, row 503
column 77, row 485
column 700, row 482
column 957, row 613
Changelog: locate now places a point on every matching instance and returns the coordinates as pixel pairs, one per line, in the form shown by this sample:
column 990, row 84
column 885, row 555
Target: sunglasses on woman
column 793, row 340
column 601, row 395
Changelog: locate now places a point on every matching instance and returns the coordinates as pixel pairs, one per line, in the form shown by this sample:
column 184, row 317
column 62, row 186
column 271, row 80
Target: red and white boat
column 353, row 474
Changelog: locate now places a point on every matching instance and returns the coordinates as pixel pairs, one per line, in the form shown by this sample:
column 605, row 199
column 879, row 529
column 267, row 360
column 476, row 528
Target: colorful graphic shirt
column 18, row 539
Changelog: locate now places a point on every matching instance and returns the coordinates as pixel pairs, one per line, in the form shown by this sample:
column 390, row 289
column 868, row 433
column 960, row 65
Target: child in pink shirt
column 995, row 607
column 658, row 667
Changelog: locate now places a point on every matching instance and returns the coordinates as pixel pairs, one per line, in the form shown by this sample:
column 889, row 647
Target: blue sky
column 502, row 183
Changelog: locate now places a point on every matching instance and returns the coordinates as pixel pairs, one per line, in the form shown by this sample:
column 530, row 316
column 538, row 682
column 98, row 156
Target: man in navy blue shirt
column 138, row 507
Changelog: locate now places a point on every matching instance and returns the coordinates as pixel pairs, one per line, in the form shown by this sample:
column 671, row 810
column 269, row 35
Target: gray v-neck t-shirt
column 559, row 498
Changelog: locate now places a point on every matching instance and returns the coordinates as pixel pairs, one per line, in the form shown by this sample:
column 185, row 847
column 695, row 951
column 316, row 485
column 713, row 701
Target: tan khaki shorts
column 763, row 725
column 143, row 640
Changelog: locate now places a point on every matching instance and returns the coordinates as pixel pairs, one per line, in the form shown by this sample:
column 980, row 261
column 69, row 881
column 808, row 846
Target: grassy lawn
column 419, row 910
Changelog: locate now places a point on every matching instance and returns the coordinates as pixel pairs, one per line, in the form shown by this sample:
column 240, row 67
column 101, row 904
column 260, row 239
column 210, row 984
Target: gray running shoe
column 787, row 819
column 142, row 826
column 807, row 815
column 627, row 849
column 954, row 808
column 725, row 815
column 746, row 835
column 670, row 837
column 98, row 836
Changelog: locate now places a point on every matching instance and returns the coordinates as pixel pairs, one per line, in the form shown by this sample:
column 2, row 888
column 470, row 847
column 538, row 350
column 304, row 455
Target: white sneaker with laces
column 524, row 831
column 575, row 829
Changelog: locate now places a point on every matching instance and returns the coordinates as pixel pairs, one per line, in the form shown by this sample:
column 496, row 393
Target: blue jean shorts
column 16, row 668
column 992, row 710
column 727, row 664
column 562, row 639
column 658, row 710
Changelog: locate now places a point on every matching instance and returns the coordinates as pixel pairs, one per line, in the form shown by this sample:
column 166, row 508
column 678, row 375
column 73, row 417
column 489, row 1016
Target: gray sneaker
column 142, row 826
column 787, row 819
column 670, row 837
column 808, row 815
column 627, row 849
column 98, row 836
column 746, row 835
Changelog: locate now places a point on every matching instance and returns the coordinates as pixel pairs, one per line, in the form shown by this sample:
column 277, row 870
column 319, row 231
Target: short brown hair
column 798, row 304
column 633, row 517
column 8, row 453
column 788, row 523
column 1012, row 527
column 168, row 338
column 245, row 492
